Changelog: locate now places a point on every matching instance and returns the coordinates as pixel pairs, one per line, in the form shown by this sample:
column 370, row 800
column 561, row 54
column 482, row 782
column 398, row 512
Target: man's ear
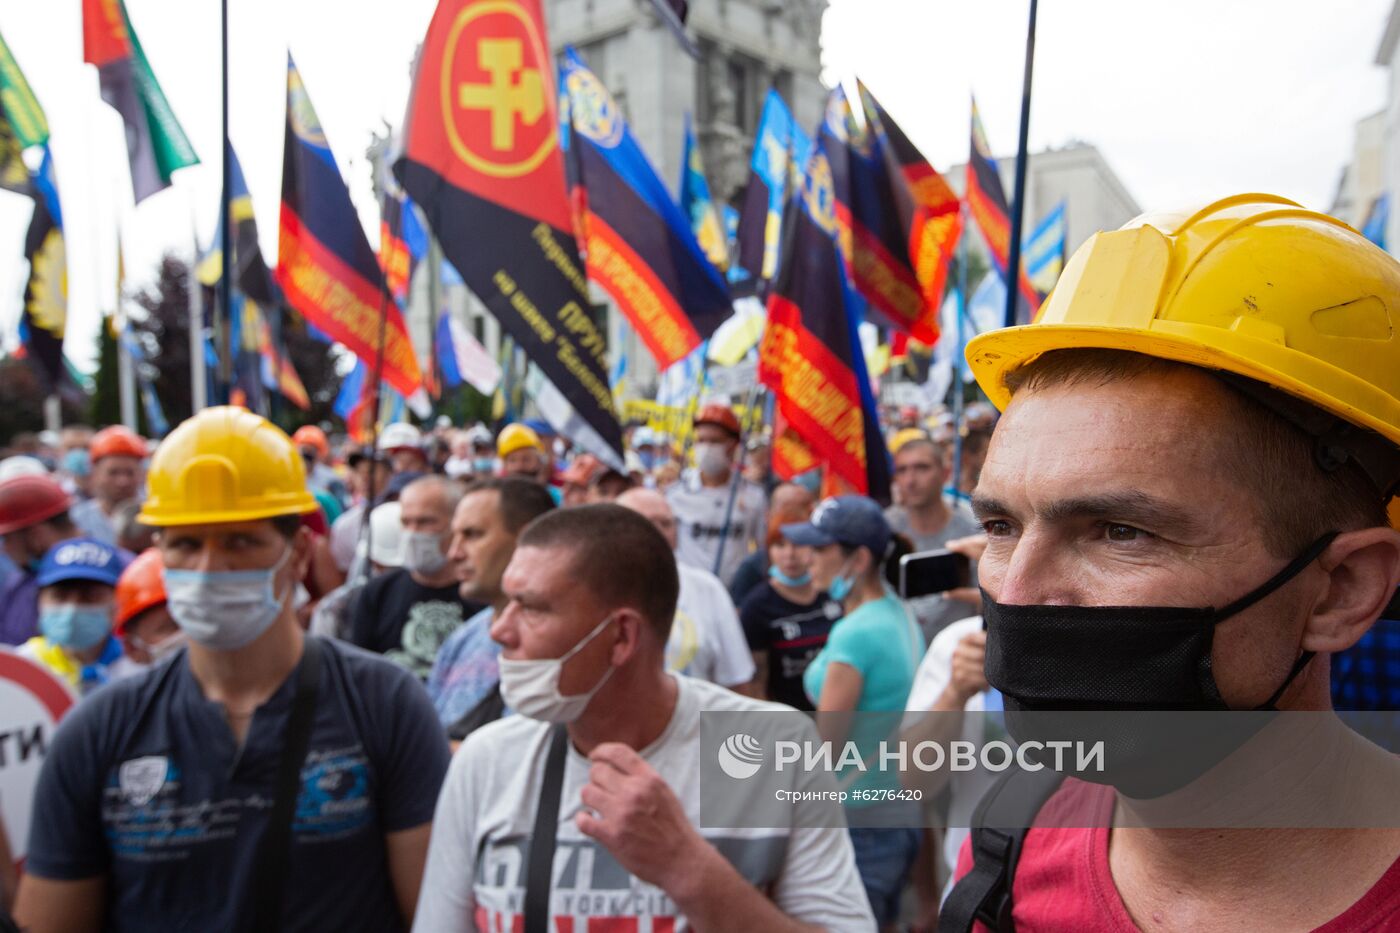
column 1363, row 570
column 632, row 629
column 302, row 543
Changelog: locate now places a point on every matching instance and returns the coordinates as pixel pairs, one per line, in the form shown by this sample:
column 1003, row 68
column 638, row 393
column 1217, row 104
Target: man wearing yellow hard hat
column 1185, row 505
column 522, row 454
column 260, row 778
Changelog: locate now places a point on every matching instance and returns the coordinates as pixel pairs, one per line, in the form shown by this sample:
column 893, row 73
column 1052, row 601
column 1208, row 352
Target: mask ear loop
column 1294, row 568
column 1298, row 666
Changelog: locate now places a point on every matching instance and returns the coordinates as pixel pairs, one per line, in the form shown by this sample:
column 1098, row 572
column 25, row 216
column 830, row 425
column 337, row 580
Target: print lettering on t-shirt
column 427, row 627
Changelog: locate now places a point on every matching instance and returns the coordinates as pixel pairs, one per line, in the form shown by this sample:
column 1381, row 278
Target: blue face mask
column 648, row 459
column 75, row 626
column 841, row 586
column 777, row 575
column 224, row 610
column 483, row 465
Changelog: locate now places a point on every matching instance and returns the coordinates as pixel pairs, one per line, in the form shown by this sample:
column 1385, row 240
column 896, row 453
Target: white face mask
column 224, row 610
column 160, row 650
column 531, row 688
column 422, row 552
column 712, row 458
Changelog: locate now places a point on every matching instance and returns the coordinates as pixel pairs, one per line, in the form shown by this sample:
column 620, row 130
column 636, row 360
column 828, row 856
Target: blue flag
column 780, row 150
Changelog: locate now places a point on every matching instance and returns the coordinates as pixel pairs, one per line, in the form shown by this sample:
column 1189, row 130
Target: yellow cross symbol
column 503, row 96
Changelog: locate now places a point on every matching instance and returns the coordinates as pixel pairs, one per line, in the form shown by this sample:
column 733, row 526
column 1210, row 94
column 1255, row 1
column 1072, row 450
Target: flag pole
column 366, row 526
column 960, row 387
column 199, row 377
column 1013, row 263
column 225, row 223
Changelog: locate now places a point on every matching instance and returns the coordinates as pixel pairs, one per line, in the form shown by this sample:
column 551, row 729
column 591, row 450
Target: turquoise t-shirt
column 881, row 642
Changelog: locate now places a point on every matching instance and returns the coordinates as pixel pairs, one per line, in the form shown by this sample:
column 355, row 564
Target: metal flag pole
column 366, row 526
column 199, row 377
column 1013, row 262
column 225, row 225
column 959, row 387
column 738, row 477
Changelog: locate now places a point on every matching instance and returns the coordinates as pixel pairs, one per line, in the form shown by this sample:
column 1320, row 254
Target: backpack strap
column 999, row 827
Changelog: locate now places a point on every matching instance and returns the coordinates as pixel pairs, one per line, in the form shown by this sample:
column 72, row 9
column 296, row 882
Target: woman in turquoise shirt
column 867, row 666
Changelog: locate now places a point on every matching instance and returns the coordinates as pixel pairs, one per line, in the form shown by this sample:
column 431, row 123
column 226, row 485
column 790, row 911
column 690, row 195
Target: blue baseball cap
column 540, row 426
column 81, row 559
column 854, row 521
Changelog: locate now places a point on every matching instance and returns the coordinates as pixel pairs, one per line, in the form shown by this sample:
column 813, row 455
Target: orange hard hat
column 308, row 435
column 29, row 499
column 116, row 441
column 719, row 415
column 139, row 588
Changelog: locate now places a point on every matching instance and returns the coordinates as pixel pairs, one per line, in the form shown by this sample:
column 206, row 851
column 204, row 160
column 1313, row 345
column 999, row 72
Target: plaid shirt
column 1367, row 675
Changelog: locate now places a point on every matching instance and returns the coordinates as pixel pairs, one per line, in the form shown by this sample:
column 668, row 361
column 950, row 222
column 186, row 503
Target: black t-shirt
column 405, row 621
column 791, row 633
column 145, row 784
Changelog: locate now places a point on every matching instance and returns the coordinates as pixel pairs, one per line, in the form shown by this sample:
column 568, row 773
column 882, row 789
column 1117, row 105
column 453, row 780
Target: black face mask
column 1122, row 659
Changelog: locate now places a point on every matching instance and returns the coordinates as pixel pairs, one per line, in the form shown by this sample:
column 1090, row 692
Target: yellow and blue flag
column 697, row 204
column 1044, row 249
column 780, row 150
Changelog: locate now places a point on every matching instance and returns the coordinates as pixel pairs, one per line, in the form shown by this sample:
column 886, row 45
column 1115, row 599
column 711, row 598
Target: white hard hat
column 386, row 535
column 400, row 435
column 20, row 465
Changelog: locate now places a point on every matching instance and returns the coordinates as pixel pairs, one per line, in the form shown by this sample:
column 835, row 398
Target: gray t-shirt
column 935, row 612
column 475, row 876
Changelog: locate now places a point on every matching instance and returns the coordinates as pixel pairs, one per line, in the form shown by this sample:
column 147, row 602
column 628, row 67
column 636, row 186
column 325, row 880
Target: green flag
column 22, row 110
column 156, row 145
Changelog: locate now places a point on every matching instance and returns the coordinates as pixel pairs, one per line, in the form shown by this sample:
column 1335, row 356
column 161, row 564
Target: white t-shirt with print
column 700, row 523
column 707, row 640
column 965, row 788
column 478, row 857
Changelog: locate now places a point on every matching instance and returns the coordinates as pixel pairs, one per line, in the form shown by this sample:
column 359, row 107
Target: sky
column 1187, row 101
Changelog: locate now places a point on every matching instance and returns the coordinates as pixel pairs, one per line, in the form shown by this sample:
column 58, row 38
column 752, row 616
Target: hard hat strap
column 1335, row 441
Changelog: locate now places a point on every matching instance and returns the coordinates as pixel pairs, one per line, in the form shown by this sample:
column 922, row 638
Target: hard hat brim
column 994, row 355
column 159, row 519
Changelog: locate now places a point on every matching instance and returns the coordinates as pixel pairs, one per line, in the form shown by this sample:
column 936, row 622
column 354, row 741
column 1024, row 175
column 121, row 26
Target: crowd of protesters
column 512, row 642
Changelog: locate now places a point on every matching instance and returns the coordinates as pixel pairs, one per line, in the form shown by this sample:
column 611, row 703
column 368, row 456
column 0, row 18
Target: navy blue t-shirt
column 145, row 784
column 791, row 634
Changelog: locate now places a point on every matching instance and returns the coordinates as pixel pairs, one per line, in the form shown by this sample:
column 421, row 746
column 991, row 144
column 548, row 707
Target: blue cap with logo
column 854, row 521
column 81, row 559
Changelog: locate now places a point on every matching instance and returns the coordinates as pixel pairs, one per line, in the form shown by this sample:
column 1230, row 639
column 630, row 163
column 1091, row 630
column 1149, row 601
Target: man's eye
column 996, row 527
column 1124, row 533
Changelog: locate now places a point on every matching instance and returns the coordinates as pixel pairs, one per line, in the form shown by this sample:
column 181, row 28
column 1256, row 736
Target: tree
column 105, row 405
column 22, row 394
column 164, row 331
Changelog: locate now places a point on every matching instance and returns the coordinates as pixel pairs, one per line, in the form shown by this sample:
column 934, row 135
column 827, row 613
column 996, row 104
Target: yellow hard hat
column 517, row 437
column 905, row 436
column 225, row 465
column 1252, row 285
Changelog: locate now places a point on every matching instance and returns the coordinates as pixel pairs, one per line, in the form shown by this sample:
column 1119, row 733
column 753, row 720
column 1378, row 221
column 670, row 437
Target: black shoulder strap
column 488, row 709
column 984, row 893
column 275, row 847
column 540, row 870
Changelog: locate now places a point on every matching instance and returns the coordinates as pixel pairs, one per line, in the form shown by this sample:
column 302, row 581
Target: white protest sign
column 32, row 701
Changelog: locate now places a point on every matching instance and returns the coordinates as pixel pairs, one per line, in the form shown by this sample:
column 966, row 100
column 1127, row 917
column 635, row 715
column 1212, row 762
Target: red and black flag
column 155, row 143
column 483, row 160
column 325, row 265
column 930, row 215
column 986, row 201
column 639, row 244
column 811, row 354
column 394, row 256
column 872, row 233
